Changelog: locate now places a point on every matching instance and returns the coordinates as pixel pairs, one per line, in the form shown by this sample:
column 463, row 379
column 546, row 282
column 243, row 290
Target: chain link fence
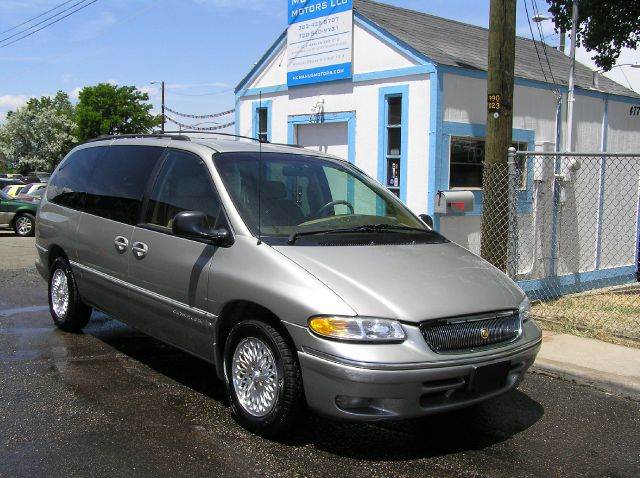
column 568, row 234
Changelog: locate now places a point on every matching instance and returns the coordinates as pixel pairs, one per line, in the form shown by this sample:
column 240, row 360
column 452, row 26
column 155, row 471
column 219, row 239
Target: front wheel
column 25, row 225
column 262, row 378
column 69, row 313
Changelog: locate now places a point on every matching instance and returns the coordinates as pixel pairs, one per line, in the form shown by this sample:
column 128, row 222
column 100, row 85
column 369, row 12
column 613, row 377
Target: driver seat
column 279, row 210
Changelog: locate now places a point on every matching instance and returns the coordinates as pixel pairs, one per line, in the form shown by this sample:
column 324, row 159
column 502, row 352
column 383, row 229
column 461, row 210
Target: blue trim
column 348, row 117
column 383, row 94
column 554, row 287
column 269, row 54
column 436, row 138
column 254, row 109
column 603, row 165
column 398, row 72
column 449, row 128
column 391, row 40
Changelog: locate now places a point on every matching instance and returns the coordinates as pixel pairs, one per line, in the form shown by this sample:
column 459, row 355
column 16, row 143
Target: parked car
column 37, row 177
column 31, row 188
column 33, row 197
column 18, row 215
column 4, row 182
column 12, row 190
column 298, row 276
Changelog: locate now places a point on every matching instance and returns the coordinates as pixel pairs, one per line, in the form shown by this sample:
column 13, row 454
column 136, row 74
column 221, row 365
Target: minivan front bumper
column 364, row 392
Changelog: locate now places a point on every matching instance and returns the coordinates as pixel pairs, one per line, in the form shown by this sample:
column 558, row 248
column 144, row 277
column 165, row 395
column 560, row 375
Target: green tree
column 604, row 26
column 109, row 109
column 38, row 135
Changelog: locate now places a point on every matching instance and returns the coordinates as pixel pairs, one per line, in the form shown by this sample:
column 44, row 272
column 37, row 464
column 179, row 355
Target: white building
column 413, row 114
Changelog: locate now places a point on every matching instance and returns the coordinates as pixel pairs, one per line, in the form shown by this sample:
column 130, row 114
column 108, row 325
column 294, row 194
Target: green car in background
column 19, row 216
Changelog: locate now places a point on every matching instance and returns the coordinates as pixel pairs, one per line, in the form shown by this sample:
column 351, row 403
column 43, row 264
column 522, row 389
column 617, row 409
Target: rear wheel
column 262, row 378
column 69, row 313
column 25, row 225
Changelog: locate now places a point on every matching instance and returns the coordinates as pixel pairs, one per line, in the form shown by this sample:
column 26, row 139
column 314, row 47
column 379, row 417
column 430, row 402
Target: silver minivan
column 299, row 277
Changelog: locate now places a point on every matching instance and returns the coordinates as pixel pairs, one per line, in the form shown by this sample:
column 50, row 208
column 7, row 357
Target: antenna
column 259, row 174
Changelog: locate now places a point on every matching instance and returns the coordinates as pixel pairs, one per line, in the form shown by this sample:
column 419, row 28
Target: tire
column 25, row 225
column 279, row 387
column 69, row 313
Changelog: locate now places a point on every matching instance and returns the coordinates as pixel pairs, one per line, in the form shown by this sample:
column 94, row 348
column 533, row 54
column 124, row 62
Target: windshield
column 304, row 195
column 4, row 197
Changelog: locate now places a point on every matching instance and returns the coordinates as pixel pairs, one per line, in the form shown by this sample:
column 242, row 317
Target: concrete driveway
column 16, row 252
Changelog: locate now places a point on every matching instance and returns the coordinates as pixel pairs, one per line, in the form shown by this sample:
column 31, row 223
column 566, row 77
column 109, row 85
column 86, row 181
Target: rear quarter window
column 68, row 185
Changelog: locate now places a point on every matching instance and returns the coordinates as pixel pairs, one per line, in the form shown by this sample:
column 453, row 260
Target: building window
column 262, row 120
column 467, row 162
column 263, row 124
column 393, row 150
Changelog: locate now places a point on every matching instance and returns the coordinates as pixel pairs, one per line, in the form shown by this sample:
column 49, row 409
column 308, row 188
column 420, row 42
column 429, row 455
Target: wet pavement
column 114, row 402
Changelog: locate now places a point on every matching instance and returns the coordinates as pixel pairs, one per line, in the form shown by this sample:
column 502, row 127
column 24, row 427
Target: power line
column 48, row 24
column 42, row 21
column 544, row 45
column 36, row 17
column 535, row 44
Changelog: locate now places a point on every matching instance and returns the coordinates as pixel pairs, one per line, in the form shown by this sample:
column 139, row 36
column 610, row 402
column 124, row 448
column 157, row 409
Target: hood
column 408, row 282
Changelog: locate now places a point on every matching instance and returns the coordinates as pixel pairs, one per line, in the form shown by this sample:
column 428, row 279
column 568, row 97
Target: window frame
column 384, row 158
column 257, row 106
column 221, row 221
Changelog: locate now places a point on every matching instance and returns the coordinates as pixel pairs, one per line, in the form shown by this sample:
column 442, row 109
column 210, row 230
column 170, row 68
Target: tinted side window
column 68, row 186
column 183, row 184
column 119, row 181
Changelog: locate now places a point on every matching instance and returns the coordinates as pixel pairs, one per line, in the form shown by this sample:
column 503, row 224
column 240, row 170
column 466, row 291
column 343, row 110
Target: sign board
column 319, row 41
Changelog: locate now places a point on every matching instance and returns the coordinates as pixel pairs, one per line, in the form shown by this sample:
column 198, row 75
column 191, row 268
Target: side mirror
column 428, row 220
column 194, row 225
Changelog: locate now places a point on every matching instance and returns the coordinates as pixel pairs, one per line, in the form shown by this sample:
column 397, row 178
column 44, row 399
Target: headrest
column 274, row 190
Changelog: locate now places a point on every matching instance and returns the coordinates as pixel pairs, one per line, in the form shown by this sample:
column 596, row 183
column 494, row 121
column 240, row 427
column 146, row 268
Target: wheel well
column 54, row 253
column 19, row 213
column 235, row 312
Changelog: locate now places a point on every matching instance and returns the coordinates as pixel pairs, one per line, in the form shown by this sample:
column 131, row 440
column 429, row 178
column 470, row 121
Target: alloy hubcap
column 255, row 376
column 24, row 225
column 60, row 293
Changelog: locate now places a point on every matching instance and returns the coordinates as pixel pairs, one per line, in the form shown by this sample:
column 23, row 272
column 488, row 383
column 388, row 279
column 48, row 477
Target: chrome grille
column 471, row 334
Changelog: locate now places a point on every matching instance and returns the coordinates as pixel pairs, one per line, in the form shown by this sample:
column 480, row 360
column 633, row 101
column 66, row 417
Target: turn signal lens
column 525, row 310
column 362, row 329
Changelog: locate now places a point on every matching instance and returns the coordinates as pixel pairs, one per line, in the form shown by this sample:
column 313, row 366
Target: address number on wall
column 634, row 111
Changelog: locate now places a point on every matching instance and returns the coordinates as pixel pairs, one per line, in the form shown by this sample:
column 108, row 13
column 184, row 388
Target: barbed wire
column 198, row 128
column 214, row 115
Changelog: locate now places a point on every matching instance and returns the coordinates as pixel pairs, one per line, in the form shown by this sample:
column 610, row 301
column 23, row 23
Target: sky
column 200, row 48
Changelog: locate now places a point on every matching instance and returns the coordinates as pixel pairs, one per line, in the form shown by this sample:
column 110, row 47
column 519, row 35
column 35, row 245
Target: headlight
column 525, row 310
column 360, row 329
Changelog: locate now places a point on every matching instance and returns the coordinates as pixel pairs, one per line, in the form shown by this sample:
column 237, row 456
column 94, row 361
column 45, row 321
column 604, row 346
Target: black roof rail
column 219, row 134
column 238, row 136
column 141, row 135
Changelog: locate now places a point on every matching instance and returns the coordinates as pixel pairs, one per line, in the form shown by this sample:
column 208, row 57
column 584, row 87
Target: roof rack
column 140, row 135
column 219, row 134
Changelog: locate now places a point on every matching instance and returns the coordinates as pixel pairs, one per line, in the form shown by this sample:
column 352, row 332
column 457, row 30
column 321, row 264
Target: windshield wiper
column 365, row 228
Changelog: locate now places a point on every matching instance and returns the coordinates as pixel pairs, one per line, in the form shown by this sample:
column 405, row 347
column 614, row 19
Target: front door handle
column 121, row 244
column 140, row 249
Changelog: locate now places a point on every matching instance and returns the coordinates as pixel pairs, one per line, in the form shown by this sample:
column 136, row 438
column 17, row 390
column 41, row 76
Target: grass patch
column 611, row 316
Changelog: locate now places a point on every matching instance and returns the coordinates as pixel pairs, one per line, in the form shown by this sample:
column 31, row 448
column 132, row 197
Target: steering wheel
column 320, row 212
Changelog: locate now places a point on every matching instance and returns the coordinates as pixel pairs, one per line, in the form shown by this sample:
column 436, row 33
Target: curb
column 589, row 377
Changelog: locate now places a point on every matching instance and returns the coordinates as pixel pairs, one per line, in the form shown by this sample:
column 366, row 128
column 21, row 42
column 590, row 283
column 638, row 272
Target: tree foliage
column 604, row 26
column 38, row 135
column 110, row 109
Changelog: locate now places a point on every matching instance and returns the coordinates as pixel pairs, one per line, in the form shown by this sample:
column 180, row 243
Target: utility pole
column 572, row 73
column 162, row 127
column 502, row 52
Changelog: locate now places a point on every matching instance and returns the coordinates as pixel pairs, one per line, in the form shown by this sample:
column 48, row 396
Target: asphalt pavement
column 115, row 402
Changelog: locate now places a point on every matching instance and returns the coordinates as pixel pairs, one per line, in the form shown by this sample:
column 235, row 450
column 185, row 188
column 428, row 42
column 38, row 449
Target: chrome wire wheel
column 24, row 225
column 60, row 293
column 255, row 376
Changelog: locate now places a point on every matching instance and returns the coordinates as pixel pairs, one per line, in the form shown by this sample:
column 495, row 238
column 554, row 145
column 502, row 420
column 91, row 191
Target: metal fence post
column 512, row 238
